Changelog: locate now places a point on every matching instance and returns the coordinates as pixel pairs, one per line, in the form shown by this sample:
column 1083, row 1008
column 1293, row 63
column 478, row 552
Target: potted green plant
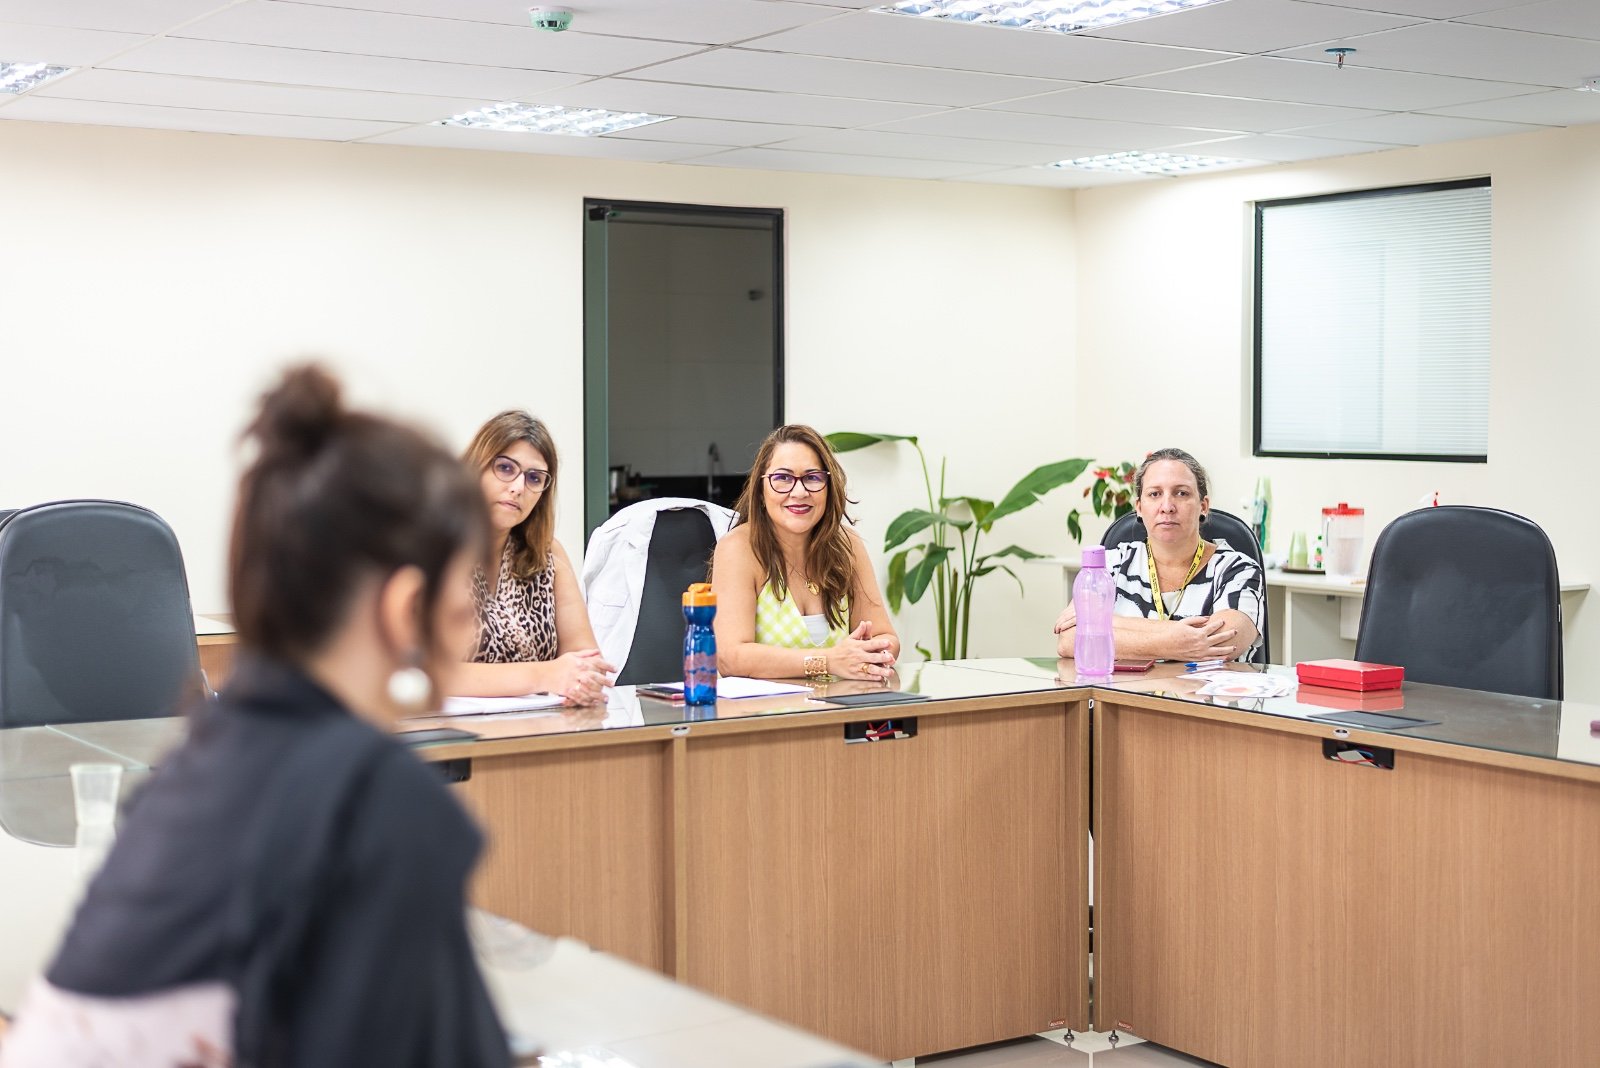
column 947, row 559
column 1110, row 495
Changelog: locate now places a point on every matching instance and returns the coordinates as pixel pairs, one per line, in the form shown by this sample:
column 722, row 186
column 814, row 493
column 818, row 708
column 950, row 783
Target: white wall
column 152, row 282
column 1164, row 281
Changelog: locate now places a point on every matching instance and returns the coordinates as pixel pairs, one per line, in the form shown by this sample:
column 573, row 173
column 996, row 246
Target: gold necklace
column 812, row 586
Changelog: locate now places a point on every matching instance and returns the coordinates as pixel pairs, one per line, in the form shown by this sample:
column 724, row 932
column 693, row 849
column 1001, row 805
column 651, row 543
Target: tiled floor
column 1086, row 1049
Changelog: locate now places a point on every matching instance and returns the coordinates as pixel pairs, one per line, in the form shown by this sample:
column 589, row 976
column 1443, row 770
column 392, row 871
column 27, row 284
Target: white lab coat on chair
column 614, row 564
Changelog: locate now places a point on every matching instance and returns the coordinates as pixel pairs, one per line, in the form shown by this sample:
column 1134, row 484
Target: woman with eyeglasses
column 534, row 634
column 796, row 595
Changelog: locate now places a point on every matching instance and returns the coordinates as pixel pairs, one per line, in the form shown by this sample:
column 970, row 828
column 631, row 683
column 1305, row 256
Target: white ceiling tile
column 722, row 132
column 768, row 159
column 542, row 144
column 1428, row 9
column 372, row 33
column 1054, row 178
column 925, row 42
column 665, row 98
column 823, row 76
column 1568, row 18
column 922, row 146
column 165, row 90
column 1269, row 78
column 1048, row 130
column 262, row 63
column 1278, row 147
column 1415, row 129
column 1254, row 25
column 126, row 16
column 55, row 44
column 1553, row 107
column 1463, row 51
column 1128, row 104
column 700, row 22
column 96, row 113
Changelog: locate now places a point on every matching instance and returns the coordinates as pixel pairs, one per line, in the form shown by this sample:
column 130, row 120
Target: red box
column 1350, row 674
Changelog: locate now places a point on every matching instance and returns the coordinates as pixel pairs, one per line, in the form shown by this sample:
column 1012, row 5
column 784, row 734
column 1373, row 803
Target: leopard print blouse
column 517, row 622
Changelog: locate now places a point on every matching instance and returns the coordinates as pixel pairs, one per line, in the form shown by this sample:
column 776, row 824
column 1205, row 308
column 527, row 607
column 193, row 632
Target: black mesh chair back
column 1465, row 596
column 94, row 616
column 680, row 553
column 1218, row 526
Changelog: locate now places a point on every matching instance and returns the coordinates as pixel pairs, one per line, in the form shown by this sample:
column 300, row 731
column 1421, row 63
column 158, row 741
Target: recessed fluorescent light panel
column 1144, row 163
column 1059, row 16
column 20, row 77
column 551, row 119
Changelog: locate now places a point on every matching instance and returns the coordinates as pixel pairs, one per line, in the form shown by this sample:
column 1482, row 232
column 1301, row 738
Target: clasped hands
column 861, row 656
column 580, row 677
column 1194, row 638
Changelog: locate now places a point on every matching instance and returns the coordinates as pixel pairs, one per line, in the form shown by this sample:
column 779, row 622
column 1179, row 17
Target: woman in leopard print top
column 533, row 630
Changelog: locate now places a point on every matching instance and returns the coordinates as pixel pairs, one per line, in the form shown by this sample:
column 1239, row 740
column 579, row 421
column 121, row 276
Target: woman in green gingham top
column 795, row 590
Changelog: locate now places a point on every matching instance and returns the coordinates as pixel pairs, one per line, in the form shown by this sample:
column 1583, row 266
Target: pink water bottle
column 1094, row 596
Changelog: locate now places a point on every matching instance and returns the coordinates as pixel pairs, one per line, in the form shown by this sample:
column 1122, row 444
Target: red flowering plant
column 1110, row 495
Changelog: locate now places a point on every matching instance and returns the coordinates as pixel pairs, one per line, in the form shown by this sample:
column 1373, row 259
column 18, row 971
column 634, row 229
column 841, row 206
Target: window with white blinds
column 1372, row 324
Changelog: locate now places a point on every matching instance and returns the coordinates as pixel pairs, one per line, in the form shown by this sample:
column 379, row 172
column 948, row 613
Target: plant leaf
column 908, row 523
column 1014, row 550
column 1013, row 574
column 895, row 588
column 1075, row 525
column 923, row 649
column 980, row 508
column 851, row 440
column 918, row 577
column 1036, row 484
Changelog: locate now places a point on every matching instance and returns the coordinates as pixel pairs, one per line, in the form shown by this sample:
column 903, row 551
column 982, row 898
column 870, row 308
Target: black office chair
column 94, row 616
column 680, row 553
column 1218, row 525
column 1465, row 596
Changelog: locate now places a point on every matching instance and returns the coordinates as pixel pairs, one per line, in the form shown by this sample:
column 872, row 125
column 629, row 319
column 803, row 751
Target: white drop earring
column 410, row 687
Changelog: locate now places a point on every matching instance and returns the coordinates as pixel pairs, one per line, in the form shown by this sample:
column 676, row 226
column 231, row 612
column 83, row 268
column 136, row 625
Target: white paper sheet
column 483, row 706
column 735, row 686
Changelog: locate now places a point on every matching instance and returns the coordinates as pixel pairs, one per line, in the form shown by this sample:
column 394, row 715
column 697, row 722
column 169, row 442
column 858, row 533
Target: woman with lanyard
column 1179, row 597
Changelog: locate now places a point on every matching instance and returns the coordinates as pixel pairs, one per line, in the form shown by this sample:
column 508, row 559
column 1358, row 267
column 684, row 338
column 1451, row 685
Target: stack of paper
column 1242, row 684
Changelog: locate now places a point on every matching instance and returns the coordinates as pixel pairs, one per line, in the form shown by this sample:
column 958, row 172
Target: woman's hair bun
column 298, row 415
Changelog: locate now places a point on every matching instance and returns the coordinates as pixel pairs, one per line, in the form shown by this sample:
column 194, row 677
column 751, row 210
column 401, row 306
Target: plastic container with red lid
column 1350, row 674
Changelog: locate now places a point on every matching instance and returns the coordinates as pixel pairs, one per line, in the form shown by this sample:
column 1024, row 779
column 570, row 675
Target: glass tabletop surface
column 35, row 785
column 1526, row 726
column 627, row 707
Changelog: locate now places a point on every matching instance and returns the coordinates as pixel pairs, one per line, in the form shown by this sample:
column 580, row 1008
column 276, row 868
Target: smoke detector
column 550, row 19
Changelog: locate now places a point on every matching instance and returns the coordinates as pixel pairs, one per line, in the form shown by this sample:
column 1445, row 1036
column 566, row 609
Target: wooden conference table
column 1255, row 903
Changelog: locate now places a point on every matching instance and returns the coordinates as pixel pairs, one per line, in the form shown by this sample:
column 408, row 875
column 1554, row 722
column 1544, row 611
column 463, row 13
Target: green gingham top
column 779, row 622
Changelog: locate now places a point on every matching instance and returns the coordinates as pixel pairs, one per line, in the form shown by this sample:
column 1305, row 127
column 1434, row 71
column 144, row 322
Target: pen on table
column 1203, row 665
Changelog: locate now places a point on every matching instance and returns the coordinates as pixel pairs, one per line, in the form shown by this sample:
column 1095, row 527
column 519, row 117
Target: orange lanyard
column 1155, row 579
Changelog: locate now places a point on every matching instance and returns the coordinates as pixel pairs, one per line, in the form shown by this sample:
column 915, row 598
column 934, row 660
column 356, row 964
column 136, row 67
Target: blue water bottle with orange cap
column 699, row 645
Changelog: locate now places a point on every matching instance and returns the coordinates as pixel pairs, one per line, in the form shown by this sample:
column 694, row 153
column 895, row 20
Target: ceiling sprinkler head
column 550, row 19
column 1340, row 53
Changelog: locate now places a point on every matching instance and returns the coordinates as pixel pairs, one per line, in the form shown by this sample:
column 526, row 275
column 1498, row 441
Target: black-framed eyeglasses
column 813, row 481
column 506, row 469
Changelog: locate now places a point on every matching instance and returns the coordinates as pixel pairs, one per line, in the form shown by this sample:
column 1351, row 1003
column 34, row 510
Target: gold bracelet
column 816, row 667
